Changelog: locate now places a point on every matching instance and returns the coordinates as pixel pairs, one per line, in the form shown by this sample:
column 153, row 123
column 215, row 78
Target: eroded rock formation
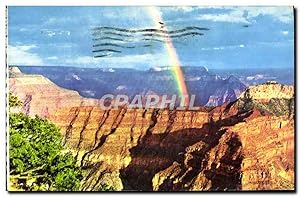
column 41, row 96
column 241, row 145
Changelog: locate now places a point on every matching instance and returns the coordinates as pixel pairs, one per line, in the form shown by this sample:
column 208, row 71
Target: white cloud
column 235, row 16
column 21, row 55
column 223, row 47
column 23, row 29
column 138, row 17
column 284, row 32
column 243, row 14
column 26, row 47
column 179, row 8
column 56, row 20
column 154, row 59
column 281, row 13
column 82, row 60
column 254, row 44
column 52, row 58
column 63, row 45
column 148, row 59
column 51, row 33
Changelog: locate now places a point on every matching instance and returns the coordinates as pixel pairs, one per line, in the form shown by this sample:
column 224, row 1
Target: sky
column 236, row 37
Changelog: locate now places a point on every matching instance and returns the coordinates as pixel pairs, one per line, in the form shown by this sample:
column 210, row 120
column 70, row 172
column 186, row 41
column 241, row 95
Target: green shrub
column 36, row 157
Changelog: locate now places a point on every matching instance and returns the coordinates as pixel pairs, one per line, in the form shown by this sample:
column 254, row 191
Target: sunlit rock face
column 41, row 96
column 268, row 91
column 243, row 145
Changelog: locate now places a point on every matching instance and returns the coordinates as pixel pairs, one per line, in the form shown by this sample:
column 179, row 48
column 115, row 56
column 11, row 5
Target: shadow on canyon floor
column 156, row 152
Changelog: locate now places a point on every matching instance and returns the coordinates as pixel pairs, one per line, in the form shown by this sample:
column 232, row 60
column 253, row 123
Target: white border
column 153, row 2
column 2, row 100
column 3, row 3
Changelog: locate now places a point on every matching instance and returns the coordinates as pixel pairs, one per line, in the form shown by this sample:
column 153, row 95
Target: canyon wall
column 224, row 148
column 41, row 96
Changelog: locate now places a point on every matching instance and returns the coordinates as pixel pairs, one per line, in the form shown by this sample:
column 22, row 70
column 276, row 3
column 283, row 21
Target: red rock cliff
column 134, row 149
column 41, row 96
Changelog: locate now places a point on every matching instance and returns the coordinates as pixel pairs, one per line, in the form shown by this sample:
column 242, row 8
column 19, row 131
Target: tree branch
column 26, row 177
column 29, row 171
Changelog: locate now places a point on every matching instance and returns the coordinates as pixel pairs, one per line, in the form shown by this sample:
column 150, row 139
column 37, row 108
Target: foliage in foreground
column 14, row 101
column 36, row 157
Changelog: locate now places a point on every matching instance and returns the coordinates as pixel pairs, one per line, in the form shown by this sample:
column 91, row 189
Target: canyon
column 246, row 144
column 209, row 88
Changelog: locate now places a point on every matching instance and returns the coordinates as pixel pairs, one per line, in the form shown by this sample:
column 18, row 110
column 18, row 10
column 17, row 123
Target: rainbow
column 173, row 58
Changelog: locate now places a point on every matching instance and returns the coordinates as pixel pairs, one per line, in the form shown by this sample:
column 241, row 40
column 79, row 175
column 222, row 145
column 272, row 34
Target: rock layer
column 267, row 91
column 42, row 97
column 137, row 149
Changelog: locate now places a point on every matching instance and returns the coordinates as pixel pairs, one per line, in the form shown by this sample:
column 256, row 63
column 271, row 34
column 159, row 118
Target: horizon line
column 147, row 68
